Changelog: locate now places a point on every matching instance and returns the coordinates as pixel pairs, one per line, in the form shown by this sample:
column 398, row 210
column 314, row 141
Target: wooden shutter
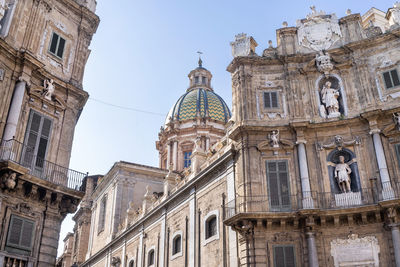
column 274, row 99
column 267, row 100
column 36, row 140
column 284, row 256
column 395, row 77
column 61, row 45
column 20, row 233
column 53, row 44
column 279, row 257
column 278, row 184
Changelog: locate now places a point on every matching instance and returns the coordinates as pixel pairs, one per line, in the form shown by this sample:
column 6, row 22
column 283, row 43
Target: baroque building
column 304, row 172
column 44, row 46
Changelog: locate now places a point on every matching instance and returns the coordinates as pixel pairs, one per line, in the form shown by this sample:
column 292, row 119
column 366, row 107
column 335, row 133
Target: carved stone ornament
column 355, row 251
column 8, row 180
column 324, row 64
column 318, row 31
column 243, row 45
column 48, row 90
column 274, row 138
column 339, row 142
column 115, row 261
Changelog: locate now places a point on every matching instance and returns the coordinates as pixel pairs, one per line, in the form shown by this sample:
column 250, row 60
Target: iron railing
column 11, row 262
column 311, row 200
column 17, row 152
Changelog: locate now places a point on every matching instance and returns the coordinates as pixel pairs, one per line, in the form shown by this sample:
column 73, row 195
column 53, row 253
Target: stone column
column 161, row 258
column 123, row 257
column 308, row 202
column 387, row 191
column 1, row 260
column 92, row 225
column 396, row 242
column 15, row 110
column 207, row 144
column 175, row 155
column 168, row 155
column 312, row 250
column 192, row 229
column 140, row 252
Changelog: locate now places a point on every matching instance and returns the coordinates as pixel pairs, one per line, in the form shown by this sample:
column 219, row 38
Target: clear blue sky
column 142, row 53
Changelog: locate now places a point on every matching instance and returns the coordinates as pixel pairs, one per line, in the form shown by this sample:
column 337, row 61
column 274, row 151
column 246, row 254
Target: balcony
column 18, row 153
column 256, row 206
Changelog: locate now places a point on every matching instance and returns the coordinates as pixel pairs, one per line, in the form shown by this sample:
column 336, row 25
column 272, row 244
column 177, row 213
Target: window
column 186, row 159
column 150, row 258
column 36, row 142
column 57, row 45
column 397, row 146
column 211, row 226
column 203, row 80
column 177, row 244
column 131, row 263
column 284, row 256
column 102, row 214
column 391, row 78
column 271, row 100
column 20, row 233
column 196, row 79
column 278, row 184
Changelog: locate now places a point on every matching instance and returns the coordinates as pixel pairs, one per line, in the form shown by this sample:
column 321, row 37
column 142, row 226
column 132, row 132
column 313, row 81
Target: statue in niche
column 342, row 174
column 274, row 138
column 330, row 99
column 48, row 90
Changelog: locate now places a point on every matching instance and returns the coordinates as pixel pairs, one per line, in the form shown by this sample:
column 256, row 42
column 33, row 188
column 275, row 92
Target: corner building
column 304, row 173
column 44, row 46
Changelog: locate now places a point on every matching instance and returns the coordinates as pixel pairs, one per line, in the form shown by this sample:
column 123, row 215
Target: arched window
column 150, row 258
column 211, row 226
column 132, row 263
column 176, row 244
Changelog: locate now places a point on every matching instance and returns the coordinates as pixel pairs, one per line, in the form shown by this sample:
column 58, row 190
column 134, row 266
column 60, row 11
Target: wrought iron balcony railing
column 311, row 200
column 17, row 152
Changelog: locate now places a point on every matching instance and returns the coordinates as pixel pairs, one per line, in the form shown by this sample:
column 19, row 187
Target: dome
column 199, row 103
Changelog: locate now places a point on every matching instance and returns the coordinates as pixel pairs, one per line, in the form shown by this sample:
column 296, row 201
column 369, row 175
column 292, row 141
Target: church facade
column 303, row 172
column 43, row 52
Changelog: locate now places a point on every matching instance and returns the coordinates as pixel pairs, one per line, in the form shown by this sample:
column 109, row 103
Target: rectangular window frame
column 29, row 248
column 281, row 207
column 102, row 214
column 274, row 247
column 397, row 149
column 268, row 94
column 389, row 72
column 56, row 52
column 187, row 161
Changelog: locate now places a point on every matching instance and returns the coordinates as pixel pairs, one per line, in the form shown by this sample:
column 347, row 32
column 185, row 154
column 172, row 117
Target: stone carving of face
column 341, row 159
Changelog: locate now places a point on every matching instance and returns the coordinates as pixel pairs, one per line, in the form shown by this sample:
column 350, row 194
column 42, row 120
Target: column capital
column 374, row 131
column 301, row 141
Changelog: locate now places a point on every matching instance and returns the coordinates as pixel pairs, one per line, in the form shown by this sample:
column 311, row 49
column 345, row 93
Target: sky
column 142, row 53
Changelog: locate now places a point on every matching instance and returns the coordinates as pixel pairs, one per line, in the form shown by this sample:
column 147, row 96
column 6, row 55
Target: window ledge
column 176, row 255
column 210, row 239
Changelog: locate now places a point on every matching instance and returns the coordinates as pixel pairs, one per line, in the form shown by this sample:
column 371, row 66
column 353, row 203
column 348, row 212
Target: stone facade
column 304, row 173
column 43, row 52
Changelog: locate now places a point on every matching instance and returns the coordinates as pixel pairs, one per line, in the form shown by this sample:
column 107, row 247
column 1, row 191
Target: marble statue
column 274, row 138
column 396, row 13
column 48, row 89
column 329, row 98
column 396, row 117
column 342, row 174
column 324, row 63
column 3, row 7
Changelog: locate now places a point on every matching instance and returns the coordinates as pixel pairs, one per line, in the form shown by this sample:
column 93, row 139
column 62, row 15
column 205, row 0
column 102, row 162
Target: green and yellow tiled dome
column 201, row 103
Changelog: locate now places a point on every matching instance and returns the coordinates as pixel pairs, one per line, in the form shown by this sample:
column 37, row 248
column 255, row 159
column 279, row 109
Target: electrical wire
column 126, row 108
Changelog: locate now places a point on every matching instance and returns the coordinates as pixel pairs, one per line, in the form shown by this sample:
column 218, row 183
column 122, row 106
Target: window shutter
column 53, row 44
column 61, row 45
column 274, row 99
column 273, row 184
column 267, row 100
column 27, row 233
column 289, row 256
column 388, row 80
column 395, row 77
column 15, row 231
column 284, row 184
column 279, row 256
